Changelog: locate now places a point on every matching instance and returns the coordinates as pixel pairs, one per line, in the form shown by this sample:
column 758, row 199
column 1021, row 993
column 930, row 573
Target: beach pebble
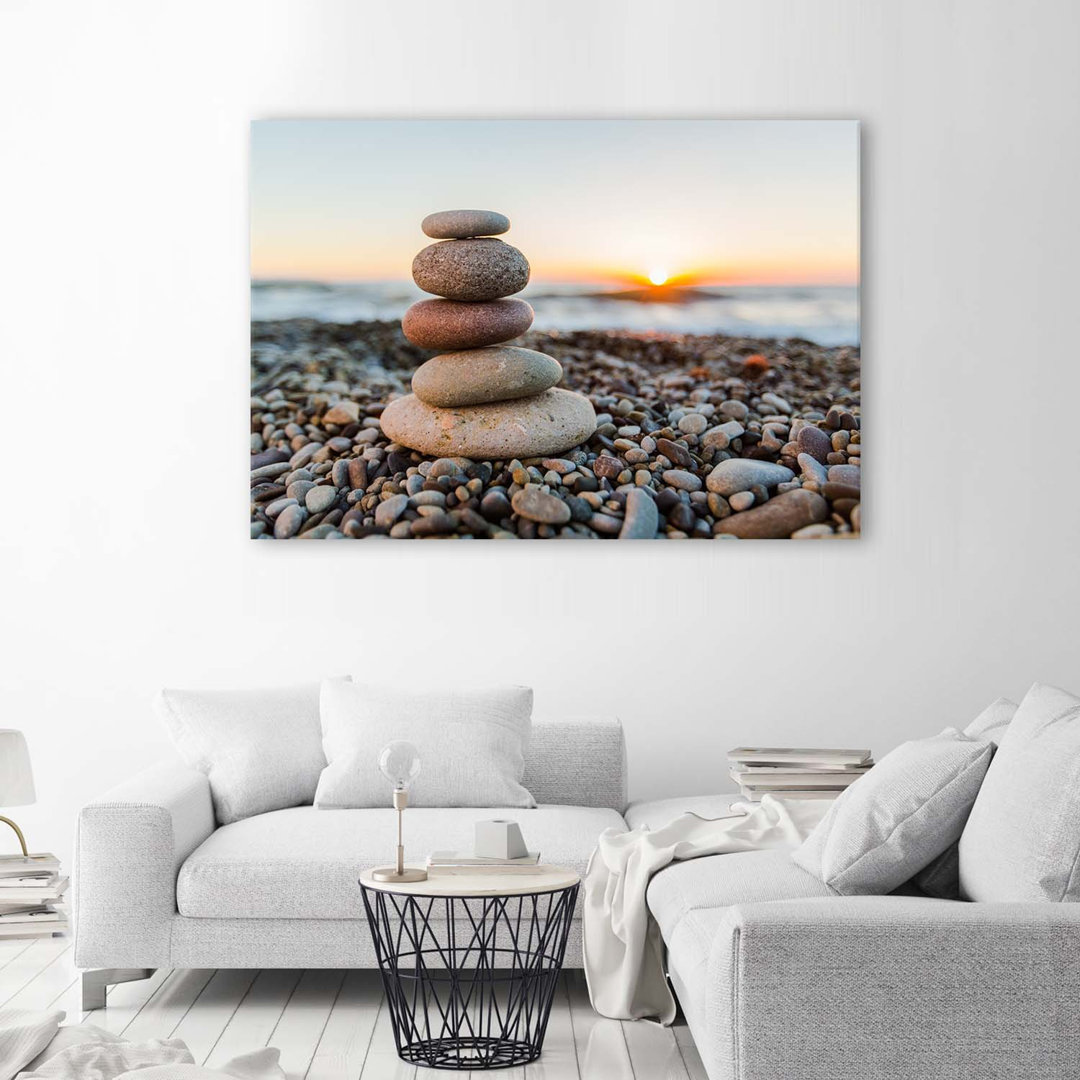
column 451, row 324
column 684, row 481
column 776, row 402
column 851, row 475
column 607, row 466
column 815, row 442
column 734, row 410
column 641, row 518
column 273, row 509
column 741, row 474
column 545, row 424
column 812, row 469
column 741, row 500
column 778, row 518
column 471, row 269
column 435, row 524
column 495, row 505
column 458, row 224
column 813, row 532
column 476, row 376
column 536, row 505
column 344, row 413
column 288, row 522
column 319, row 499
column 693, row 424
column 387, row 512
column 675, row 452
column 606, row 523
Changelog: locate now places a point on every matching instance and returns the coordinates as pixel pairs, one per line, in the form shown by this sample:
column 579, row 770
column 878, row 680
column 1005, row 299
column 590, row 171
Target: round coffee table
column 470, row 962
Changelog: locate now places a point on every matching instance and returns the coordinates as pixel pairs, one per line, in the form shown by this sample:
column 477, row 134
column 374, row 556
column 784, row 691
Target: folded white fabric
column 260, row 749
column 623, row 949
column 901, row 815
column 1022, row 841
column 471, row 744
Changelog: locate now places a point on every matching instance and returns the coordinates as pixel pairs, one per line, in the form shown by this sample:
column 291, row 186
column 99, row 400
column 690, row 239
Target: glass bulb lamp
column 399, row 763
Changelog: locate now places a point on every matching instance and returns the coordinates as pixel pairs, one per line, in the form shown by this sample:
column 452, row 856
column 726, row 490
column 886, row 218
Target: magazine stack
column 31, row 896
column 795, row 772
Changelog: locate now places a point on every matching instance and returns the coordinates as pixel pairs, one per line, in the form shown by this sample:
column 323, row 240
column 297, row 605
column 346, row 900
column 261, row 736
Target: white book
column 819, row 793
column 17, row 865
column 24, row 930
column 25, row 881
column 39, row 895
column 794, row 755
column 835, row 781
column 32, row 914
column 507, row 869
column 798, row 770
column 464, row 858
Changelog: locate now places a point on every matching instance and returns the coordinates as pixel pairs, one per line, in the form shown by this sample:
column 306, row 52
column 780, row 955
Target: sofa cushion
column 941, row 878
column 902, row 814
column 717, row 881
column 303, row 863
column 260, row 749
column 471, row 744
column 1022, row 841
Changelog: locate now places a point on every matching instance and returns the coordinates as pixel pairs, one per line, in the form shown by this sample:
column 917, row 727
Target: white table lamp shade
column 16, row 776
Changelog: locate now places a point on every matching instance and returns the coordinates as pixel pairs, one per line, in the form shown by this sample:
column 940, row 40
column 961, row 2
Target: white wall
column 123, row 286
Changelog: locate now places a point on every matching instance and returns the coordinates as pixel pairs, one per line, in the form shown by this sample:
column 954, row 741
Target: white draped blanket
column 35, row 1042
column 623, row 950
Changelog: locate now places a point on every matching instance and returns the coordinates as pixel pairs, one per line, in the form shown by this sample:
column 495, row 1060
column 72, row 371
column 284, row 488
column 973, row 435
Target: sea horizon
column 824, row 314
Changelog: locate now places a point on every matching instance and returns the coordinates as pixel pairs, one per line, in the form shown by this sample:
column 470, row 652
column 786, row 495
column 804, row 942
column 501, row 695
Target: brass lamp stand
column 399, row 873
column 18, row 833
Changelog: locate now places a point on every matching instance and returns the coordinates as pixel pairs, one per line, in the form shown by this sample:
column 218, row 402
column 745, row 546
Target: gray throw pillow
column 1022, row 841
column 941, row 879
column 898, row 817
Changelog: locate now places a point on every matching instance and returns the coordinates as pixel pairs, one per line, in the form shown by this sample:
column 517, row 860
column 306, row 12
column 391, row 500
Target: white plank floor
column 329, row 1025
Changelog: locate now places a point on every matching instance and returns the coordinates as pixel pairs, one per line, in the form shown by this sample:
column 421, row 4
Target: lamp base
column 390, row 874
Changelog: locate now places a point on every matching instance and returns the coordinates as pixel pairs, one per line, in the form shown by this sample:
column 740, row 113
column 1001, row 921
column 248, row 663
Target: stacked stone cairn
column 480, row 398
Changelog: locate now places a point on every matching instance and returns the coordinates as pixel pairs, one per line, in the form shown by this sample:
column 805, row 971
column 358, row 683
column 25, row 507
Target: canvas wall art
column 555, row 329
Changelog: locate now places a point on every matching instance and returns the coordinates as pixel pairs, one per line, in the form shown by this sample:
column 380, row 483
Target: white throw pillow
column 898, row 817
column 1022, row 841
column 260, row 749
column 941, row 878
column 471, row 744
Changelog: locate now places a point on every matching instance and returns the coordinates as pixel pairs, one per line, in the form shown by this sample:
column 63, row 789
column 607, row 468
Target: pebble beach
column 696, row 437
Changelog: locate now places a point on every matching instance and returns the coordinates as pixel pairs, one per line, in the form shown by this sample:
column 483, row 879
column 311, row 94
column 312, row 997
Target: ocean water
column 828, row 315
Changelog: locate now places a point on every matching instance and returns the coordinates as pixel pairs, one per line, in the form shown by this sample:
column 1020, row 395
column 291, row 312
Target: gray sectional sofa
column 779, row 978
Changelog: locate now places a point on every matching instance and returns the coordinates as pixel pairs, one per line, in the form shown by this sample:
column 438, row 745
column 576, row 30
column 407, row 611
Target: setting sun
column 658, row 277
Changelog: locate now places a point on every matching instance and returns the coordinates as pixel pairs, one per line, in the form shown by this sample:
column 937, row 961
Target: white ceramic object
column 499, row 839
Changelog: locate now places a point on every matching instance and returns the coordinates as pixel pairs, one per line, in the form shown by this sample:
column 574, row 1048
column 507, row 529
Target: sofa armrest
column 129, row 848
column 894, row 986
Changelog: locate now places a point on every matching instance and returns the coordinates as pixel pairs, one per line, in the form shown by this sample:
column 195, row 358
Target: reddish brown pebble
column 779, row 517
column 452, row 324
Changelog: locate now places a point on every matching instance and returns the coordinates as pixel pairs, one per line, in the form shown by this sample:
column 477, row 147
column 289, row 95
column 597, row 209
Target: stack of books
column 461, row 862
column 31, row 896
column 794, row 772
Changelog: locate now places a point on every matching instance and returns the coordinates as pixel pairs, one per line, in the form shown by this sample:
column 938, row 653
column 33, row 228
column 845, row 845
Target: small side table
column 470, row 962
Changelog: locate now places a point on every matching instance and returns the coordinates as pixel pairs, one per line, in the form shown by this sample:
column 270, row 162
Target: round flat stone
column 476, row 376
column 452, row 324
column 541, row 426
column 462, row 224
column 483, row 269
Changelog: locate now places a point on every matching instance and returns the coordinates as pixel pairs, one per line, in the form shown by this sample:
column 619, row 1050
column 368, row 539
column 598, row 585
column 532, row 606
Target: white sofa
column 159, row 884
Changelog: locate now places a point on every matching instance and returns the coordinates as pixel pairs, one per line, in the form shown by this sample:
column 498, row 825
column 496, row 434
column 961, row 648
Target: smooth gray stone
column 460, row 224
column 741, row 474
column 641, row 519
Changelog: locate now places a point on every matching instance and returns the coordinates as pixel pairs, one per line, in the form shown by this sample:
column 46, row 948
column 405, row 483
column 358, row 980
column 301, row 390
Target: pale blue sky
column 742, row 201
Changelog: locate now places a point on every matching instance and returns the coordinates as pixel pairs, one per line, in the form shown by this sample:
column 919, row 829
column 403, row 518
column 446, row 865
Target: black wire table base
column 469, row 979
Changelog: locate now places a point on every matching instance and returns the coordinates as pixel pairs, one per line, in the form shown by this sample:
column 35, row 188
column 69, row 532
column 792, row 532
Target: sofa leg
column 95, row 983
